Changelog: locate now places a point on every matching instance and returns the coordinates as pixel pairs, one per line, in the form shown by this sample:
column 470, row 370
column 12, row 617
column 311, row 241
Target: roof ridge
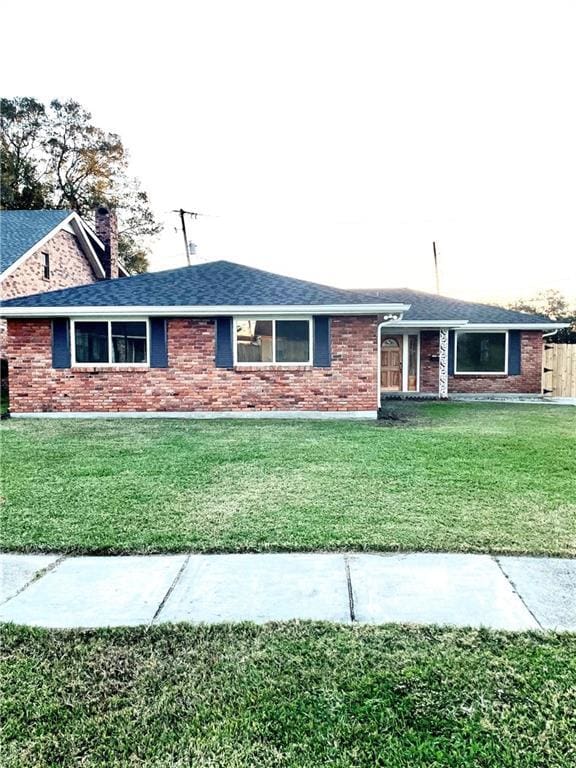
column 326, row 286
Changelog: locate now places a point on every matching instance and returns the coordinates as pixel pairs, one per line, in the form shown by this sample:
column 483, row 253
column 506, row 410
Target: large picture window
column 111, row 342
column 273, row 341
column 481, row 352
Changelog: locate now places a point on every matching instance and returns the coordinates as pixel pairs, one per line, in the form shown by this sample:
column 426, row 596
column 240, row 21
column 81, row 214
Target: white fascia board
column 37, row 245
column 203, row 311
column 425, row 325
column 91, row 231
column 514, row 326
column 80, row 231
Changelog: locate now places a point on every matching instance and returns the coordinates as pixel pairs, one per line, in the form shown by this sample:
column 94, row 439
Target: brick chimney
column 107, row 231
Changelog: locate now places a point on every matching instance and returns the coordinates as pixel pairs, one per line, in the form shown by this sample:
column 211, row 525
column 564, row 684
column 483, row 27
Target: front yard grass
column 453, row 477
column 298, row 695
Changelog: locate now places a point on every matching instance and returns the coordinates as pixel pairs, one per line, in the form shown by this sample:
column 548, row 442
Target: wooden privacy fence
column 559, row 378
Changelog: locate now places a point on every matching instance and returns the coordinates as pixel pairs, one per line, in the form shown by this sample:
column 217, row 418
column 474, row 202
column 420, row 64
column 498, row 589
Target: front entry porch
column 413, row 362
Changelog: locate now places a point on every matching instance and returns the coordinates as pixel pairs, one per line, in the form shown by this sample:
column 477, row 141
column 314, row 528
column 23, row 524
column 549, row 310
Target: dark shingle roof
column 430, row 306
column 21, row 230
column 215, row 284
column 223, row 283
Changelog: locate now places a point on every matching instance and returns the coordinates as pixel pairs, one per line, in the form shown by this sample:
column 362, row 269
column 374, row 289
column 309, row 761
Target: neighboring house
column 222, row 337
column 44, row 250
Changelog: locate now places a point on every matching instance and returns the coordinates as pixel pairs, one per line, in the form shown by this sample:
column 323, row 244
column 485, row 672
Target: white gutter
column 425, row 324
column 203, row 311
column 515, row 326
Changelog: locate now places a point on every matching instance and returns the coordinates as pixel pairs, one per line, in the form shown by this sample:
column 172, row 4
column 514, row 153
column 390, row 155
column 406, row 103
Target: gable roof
column 22, row 232
column 218, row 286
column 429, row 307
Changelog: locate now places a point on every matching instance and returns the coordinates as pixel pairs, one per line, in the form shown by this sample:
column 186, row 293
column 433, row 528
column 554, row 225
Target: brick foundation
column 529, row 381
column 192, row 382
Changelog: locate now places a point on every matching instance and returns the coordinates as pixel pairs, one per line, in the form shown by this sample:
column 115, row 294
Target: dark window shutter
column 224, row 352
column 61, row 343
column 158, row 342
column 514, row 353
column 322, row 354
column 451, row 345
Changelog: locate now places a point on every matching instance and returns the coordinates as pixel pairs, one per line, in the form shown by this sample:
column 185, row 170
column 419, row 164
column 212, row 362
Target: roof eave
column 433, row 324
column 535, row 326
column 203, row 311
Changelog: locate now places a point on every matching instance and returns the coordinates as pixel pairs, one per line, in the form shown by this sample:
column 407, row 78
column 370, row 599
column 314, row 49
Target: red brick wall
column 528, row 381
column 429, row 368
column 192, row 382
column 68, row 266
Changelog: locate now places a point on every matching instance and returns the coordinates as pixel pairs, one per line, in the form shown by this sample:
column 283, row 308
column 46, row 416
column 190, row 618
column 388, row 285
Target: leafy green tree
column 22, row 123
column 554, row 305
column 54, row 157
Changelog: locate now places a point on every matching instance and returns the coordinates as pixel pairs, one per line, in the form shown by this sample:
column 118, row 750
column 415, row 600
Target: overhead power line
column 182, row 213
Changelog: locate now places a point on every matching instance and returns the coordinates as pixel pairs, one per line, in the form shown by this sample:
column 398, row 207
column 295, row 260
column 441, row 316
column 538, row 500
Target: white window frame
column 481, row 373
column 273, row 318
column 405, row 359
column 108, row 320
column 46, row 267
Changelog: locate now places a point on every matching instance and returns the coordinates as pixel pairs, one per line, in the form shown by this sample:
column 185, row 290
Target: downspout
column 389, row 321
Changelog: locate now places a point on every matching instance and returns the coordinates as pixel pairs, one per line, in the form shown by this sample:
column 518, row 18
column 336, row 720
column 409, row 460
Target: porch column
column 443, row 367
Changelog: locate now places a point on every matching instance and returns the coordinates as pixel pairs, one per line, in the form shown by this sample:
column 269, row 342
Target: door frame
column 399, row 341
column 386, row 330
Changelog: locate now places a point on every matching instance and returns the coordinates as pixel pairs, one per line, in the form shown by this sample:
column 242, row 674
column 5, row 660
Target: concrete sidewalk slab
column 259, row 588
column 96, row 592
column 16, row 571
column 547, row 586
column 424, row 588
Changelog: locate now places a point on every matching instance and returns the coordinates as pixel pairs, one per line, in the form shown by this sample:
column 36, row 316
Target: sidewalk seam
column 170, row 589
column 36, row 577
column 516, row 592
column 350, row 590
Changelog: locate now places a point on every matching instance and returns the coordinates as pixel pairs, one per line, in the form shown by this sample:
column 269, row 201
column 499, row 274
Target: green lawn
column 461, row 477
column 296, row 694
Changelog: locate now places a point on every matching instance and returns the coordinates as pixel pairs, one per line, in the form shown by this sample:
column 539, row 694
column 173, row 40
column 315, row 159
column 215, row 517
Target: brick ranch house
column 44, row 250
column 223, row 338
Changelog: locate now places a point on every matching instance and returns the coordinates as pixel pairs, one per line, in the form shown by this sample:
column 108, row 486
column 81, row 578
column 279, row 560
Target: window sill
column 110, row 368
column 246, row 368
column 480, row 375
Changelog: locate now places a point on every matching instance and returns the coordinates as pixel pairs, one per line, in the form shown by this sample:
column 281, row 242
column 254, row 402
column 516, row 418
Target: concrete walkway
column 516, row 593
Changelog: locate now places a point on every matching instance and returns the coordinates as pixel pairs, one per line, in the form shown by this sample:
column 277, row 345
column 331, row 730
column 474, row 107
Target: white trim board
column 433, row 325
column 514, row 326
column 216, row 310
column 321, row 415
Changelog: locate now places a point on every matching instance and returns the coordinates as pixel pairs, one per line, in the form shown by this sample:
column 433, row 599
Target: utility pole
column 181, row 212
column 436, row 267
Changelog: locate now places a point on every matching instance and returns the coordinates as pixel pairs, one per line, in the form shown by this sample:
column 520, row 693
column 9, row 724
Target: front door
column 391, row 363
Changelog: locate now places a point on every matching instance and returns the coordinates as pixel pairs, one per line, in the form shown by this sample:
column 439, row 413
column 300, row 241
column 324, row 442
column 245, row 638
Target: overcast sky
column 334, row 141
